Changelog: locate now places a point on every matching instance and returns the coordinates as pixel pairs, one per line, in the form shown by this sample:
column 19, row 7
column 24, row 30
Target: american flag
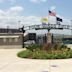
column 52, row 13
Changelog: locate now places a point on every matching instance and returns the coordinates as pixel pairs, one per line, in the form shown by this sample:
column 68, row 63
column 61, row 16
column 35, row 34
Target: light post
column 7, row 29
column 23, row 31
column 71, row 27
column 19, row 22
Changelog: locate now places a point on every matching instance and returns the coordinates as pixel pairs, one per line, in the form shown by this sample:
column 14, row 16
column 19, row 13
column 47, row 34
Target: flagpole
column 48, row 20
column 47, row 40
column 48, row 16
column 71, row 27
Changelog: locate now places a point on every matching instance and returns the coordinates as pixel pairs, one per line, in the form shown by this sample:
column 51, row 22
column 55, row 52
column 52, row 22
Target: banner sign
column 49, row 26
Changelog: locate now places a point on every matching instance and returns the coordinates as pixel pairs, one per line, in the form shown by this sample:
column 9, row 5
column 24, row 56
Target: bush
column 34, row 47
column 58, row 46
column 24, row 54
column 56, row 52
column 47, row 46
column 39, row 55
column 70, row 53
column 63, row 46
column 60, row 56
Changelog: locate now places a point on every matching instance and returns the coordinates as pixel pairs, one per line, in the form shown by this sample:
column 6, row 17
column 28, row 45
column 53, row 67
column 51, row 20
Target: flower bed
column 39, row 52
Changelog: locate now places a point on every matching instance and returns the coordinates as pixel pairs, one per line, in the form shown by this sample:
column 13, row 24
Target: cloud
column 53, row 8
column 11, row 17
column 43, row 0
column 15, row 10
column 2, row 13
column 12, row 1
column 37, row 1
column 34, row 1
column 19, row 21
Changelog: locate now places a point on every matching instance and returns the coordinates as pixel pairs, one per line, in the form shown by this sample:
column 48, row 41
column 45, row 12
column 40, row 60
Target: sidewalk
column 9, row 62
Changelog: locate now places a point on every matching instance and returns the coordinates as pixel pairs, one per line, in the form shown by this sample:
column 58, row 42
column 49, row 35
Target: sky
column 16, row 13
column 39, row 7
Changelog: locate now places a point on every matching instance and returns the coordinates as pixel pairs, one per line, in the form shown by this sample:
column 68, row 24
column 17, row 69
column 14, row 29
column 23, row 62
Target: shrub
column 39, row 55
column 56, row 52
column 60, row 56
column 47, row 47
column 34, row 47
column 63, row 46
column 70, row 53
column 24, row 54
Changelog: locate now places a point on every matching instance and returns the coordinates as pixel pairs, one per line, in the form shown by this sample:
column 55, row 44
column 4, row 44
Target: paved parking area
column 9, row 62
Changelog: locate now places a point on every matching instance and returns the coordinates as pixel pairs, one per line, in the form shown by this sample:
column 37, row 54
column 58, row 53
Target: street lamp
column 19, row 22
column 71, row 27
column 23, row 31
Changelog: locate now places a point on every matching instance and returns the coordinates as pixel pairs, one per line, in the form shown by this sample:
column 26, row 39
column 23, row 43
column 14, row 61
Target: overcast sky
column 15, row 13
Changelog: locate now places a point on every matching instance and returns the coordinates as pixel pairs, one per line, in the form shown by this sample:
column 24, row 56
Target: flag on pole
column 52, row 13
column 44, row 20
column 59, row 19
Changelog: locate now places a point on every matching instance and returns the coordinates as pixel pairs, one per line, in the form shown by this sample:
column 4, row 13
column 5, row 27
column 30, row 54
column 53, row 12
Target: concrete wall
column 10, row 40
